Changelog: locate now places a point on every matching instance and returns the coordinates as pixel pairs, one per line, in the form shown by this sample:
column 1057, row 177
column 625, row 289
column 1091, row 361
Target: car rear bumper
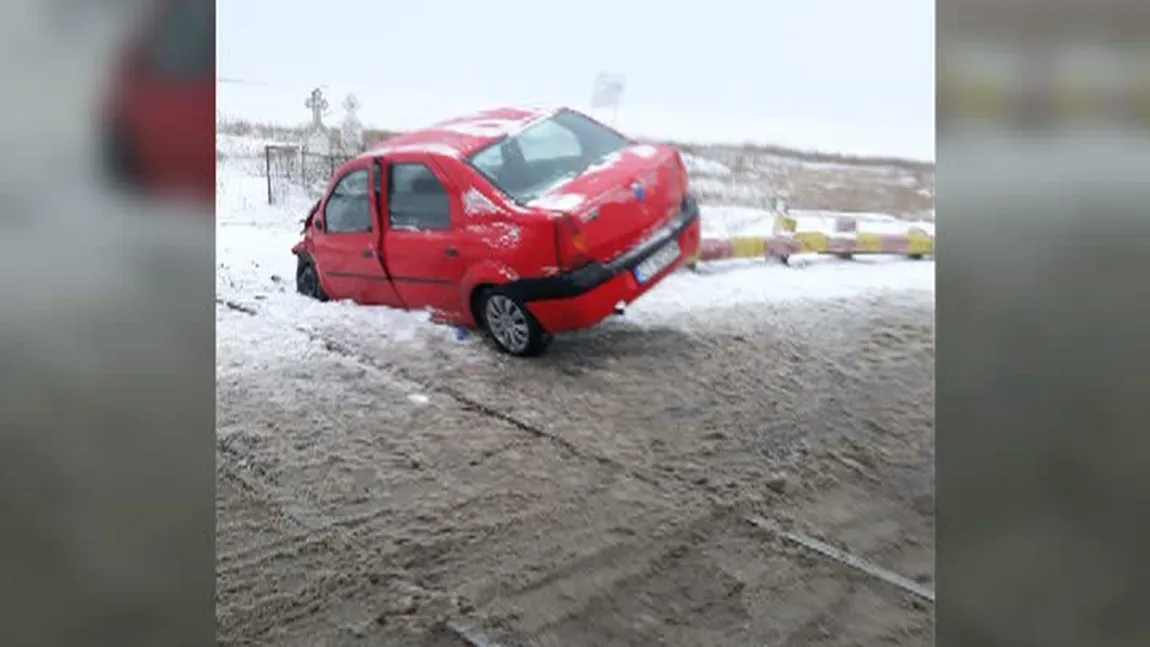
column 586, row 296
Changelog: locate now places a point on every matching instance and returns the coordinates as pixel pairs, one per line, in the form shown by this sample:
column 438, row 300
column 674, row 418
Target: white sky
column 833, row 75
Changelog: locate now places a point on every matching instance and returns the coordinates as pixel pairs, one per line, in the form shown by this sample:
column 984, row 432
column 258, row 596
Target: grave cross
column 351, row 104
column 318, row 105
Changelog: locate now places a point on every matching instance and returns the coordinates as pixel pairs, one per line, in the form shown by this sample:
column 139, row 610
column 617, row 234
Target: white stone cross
column 318, row 105
column 351, row 104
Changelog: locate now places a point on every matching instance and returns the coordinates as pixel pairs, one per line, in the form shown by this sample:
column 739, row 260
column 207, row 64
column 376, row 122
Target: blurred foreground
column 1043, row 157
column 106, row 338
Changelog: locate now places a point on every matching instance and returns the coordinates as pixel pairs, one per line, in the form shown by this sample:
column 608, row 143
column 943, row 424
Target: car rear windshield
column 528, row 164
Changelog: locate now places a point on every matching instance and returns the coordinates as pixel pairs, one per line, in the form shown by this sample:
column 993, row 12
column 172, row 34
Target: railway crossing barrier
column 846, row 242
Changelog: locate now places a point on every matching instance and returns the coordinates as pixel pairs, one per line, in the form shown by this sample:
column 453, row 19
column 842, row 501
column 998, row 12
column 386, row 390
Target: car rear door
column 346, row 238
column 422, row 233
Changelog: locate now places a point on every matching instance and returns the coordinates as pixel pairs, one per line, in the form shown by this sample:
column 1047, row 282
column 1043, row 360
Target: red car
column 158, row 115
column 522, row 223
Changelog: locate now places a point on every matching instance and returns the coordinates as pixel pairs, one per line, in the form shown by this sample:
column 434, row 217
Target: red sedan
column 159, row 112
column 523, row 223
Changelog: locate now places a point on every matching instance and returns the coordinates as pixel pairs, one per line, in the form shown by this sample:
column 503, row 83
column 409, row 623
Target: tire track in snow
column 551, row 581
column 556, row 580
column 312, row 523
column 471, row 404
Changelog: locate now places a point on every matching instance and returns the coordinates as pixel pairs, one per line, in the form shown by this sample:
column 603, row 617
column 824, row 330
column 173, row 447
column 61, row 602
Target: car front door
column 346, row 238
column 421, row 241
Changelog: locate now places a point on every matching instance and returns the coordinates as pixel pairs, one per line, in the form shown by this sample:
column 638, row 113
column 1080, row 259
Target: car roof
column 462, row 136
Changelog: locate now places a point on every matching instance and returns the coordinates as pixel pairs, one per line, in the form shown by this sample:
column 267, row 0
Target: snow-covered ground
column 255, row 269
column 722, row 221
column 701, row 166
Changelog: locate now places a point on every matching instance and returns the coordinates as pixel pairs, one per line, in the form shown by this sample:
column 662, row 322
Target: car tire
column 307, row 279
column 510, row 325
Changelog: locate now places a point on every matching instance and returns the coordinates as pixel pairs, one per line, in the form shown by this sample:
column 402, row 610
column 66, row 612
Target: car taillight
column 570, row 242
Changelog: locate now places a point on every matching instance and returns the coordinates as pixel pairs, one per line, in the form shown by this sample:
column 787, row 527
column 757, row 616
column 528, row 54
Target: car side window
column 547, row 141
column 348, row 208
column 416, row 199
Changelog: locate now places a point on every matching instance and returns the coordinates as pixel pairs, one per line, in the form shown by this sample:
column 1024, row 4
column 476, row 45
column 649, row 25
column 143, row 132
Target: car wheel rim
column 507, row 323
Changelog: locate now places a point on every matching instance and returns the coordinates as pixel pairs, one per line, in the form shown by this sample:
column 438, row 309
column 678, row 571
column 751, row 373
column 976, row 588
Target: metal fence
column 294, row 167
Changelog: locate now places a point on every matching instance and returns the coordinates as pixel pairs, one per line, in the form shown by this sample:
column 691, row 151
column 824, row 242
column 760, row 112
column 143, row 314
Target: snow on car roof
column 462, row 136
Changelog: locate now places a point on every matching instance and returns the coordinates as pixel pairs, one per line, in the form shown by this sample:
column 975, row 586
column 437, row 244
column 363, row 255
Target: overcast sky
column 837, row 75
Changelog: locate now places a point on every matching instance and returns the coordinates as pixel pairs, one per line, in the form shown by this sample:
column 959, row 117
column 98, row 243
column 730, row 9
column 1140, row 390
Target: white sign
column 608, row 90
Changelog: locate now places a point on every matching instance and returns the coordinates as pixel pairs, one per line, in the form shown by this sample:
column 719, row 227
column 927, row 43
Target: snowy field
column 379, row 478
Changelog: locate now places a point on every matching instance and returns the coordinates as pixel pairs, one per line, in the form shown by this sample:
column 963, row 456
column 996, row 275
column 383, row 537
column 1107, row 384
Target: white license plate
column 657, row 262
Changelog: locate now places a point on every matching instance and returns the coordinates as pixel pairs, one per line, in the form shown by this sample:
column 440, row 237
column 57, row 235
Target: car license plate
column 657, row 262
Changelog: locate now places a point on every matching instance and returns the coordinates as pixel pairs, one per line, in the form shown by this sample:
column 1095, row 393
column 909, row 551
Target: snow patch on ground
column 706, row 167
column 727, row 221
column 245, row 145
column 242, row 198
column 255, row 270
column 746, row 283
column 721, row 221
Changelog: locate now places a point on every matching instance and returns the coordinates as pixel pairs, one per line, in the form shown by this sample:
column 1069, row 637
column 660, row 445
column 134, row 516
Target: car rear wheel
column 307, row 279
column 511, row 326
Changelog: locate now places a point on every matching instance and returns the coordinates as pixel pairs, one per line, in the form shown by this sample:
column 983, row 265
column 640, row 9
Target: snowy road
column 376, row 476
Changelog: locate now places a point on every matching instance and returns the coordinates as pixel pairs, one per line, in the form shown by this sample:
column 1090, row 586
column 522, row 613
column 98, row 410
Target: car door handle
column 450, row 251
column 368, row 253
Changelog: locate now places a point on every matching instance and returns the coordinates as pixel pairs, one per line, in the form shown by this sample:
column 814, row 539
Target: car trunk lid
column 620, row 201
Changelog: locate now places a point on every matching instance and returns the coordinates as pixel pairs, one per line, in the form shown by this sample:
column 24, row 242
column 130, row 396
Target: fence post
column 268, row 170
column 303, row 166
